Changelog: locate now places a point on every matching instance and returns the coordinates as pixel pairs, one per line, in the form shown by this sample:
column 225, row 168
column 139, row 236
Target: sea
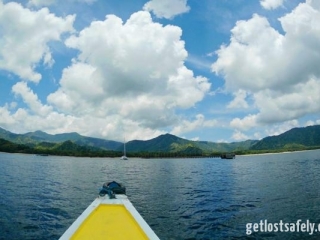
column 270, row 196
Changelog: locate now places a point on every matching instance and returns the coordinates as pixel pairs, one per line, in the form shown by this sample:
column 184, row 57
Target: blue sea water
column 204, row 198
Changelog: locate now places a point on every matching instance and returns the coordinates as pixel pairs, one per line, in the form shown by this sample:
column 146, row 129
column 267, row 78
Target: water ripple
column 179, row 198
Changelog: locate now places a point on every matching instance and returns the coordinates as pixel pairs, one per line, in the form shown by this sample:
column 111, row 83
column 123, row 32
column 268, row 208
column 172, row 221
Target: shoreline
column 257, row 154
column 155, row 157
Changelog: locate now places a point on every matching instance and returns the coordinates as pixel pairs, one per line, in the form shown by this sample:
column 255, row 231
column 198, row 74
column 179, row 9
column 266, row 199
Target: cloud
column 279, row 72
column 282, row 127
column 31, row 99
column 80, row 89
column 41, row 3
column 129, row 79
column 186, row 126
column 167, row 8
column 311, row 123
column 239, row 136
column 239, row 100
column 314, row 3
column 131, row 74
column 24, row 38
column 84, row 1
column 255, row 48
column 271, row 4
column 244, row 124
column 23, row 120
column 249, row 122
column 299, row 101
column 6, row 117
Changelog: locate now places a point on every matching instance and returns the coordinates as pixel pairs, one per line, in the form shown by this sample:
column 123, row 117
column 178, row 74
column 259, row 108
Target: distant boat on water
column 124, row 157
column 228, row 156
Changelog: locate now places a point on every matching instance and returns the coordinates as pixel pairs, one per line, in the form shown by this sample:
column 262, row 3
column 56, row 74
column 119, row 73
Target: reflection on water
column 179, row 198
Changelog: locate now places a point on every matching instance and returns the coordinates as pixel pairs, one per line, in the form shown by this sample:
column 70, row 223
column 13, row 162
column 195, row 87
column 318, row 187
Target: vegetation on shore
column 164, row 146
column 68, row 148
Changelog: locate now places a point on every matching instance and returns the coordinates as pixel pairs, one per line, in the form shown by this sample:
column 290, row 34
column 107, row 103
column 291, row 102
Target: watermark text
column 281, row 226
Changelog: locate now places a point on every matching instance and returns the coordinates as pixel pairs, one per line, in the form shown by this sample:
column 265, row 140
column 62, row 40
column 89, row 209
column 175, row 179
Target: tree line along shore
column 68, row 148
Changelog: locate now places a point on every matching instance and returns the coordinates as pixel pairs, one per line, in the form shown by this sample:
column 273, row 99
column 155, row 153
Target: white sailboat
column 124, row 157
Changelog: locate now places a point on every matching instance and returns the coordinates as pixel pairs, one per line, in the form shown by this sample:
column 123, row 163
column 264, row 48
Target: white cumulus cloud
column 239, row 100
column 271, row 4
column 131, row 74
column 188, row 126
column 279, row 72
column 282, row 127
column 31, row 99
column 24, row 38
column 245, row 123
column 239, row 136
column 167, row 8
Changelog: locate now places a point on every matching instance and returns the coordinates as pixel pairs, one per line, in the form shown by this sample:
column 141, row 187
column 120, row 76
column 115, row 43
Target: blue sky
column 219, row 71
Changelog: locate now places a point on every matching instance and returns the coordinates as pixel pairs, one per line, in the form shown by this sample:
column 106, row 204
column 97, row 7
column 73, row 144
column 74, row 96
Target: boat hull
column 228, row 156
column 109, row 218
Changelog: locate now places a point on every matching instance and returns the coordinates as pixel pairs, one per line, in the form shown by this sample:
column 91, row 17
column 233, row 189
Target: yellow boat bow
column 110, row 216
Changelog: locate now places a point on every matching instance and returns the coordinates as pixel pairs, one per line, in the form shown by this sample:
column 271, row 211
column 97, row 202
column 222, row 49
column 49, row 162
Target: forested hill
column 171, row 143
column 34, row 138
column 294, row 139
column 162, row 143
column 66, row 148
column 166, row 144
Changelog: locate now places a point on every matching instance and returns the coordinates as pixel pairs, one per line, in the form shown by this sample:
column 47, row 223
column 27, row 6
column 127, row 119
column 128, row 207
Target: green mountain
column 42, row 136
column 225, row 147
column 4, row 134
column 7, row 146
column 294, row 139
column 166, row 145
column 162, row 143
column 67, row 148
column 34, row 138
column 171, row 143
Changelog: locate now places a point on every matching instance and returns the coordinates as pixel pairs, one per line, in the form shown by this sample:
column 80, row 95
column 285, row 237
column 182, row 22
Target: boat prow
column 110, row 216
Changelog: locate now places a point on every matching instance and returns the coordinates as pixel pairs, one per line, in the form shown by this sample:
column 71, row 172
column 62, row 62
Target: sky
column 209, row 70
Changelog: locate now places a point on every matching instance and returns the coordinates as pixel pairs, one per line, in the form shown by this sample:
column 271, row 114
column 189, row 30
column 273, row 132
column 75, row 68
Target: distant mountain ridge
column 39, row 135
column 171, row 143
column 33, row 138
column 163, row 143
column 294, row 139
